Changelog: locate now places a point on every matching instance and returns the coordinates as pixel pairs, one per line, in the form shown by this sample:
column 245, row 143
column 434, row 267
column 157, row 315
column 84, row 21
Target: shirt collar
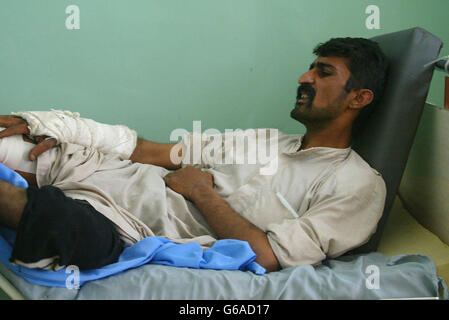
column 293, row 147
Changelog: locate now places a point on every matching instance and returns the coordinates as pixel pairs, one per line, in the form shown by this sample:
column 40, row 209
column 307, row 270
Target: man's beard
column 306, row 113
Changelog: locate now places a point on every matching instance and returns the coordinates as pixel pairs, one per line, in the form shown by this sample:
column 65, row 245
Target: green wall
column 157, row 65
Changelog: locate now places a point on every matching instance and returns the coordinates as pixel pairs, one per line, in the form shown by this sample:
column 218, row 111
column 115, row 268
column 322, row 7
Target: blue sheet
column 225, row 254
column 12, row 177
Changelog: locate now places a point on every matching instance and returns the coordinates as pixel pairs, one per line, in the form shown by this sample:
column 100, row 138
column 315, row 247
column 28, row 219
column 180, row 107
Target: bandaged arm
column 68, row 127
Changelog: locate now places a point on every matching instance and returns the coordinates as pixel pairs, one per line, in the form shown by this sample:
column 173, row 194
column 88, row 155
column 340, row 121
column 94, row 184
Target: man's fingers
column 13, row 126
column 45, row 145
column 14, row 130
column 39, row 139
column 17, row 126
column 9, row 121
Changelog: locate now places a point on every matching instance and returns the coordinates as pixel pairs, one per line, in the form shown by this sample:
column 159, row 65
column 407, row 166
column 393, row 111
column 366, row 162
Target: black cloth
column 64, row 230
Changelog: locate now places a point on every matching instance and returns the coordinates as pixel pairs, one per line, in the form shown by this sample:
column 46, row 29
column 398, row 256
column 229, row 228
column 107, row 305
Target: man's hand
column 14, row 126
column 186, row 180
column 197, row 186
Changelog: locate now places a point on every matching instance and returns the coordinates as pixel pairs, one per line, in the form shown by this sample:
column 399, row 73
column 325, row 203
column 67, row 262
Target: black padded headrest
column 387, row 134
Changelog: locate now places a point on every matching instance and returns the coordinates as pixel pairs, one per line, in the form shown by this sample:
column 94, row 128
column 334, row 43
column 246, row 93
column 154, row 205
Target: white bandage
column 14, row 153
column 68, row 127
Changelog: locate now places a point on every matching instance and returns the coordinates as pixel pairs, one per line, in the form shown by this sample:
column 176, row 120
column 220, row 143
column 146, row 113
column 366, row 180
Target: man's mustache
column 305, row 89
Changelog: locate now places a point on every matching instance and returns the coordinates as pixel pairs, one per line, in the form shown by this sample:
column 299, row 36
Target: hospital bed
column 402, row 260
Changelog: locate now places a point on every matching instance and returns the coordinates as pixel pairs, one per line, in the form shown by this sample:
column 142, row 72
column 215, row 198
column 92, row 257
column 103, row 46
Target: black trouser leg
column 65, row 231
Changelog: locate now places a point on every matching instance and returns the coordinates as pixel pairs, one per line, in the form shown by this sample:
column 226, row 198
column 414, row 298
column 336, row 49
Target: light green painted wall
column 159, row 65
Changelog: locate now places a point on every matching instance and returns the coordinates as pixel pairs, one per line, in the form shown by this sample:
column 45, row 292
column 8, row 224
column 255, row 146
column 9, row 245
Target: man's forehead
column 339, row 64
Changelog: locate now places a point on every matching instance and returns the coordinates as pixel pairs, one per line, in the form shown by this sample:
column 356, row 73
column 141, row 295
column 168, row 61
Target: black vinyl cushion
column 386, row 135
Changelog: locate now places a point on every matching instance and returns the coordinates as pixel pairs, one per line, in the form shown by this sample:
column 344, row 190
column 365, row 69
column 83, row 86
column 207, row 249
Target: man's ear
column 362, row 97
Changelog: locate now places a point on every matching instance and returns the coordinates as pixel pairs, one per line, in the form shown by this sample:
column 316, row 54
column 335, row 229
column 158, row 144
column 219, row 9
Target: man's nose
column 307, row 77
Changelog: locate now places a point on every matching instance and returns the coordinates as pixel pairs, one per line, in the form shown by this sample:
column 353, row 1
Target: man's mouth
column 304, row 97
column 305, row 94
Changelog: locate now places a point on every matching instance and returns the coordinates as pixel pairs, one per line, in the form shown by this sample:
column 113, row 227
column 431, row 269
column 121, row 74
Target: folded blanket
column 225, row 254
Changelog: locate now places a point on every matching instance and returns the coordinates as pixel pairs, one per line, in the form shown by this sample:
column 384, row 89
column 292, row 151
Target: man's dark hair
column 367, row 63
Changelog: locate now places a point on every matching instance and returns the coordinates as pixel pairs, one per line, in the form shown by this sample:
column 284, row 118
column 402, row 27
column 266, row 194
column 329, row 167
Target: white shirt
column 337, row 197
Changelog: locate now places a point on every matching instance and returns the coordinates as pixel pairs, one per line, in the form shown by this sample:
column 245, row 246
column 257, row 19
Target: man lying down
column 102, row 188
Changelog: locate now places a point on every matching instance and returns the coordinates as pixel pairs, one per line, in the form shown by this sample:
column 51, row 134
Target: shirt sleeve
column 343, row 215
